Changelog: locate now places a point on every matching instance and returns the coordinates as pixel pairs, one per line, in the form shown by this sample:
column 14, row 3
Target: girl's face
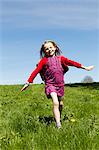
column 49, row 49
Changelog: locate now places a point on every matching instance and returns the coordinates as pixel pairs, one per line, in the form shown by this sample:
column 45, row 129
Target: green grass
column 27, row 123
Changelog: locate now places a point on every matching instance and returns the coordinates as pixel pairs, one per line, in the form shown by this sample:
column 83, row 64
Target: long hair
column 57, row 52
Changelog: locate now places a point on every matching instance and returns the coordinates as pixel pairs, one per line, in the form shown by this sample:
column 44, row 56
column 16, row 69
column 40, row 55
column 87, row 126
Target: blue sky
column 25, row 25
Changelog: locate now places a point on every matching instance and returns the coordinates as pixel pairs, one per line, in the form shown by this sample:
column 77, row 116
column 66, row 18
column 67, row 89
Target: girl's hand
column 88, row 68
column 25, row 86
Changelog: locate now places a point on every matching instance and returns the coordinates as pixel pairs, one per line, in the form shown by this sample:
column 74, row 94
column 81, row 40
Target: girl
column 52, row 67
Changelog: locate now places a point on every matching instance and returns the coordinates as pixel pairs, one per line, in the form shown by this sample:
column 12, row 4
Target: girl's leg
column 60, row 105
column 56, row 108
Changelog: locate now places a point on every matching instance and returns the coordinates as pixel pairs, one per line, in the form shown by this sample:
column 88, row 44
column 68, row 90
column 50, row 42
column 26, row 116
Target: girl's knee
column 56, row 104
column 61, row 103
column 55, row 99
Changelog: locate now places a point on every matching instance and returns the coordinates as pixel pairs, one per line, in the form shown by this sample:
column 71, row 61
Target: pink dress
column 54, row 76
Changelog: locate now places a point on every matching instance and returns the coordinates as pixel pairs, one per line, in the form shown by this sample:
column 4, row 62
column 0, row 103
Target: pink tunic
column 54, row 76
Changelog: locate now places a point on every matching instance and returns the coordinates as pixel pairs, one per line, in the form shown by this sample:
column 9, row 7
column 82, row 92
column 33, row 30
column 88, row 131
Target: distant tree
column 87, row 79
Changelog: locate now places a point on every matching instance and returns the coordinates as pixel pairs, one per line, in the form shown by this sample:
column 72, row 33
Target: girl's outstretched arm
column 34, row 73
column 76, row 64
column 25, row 86
column 87, row 68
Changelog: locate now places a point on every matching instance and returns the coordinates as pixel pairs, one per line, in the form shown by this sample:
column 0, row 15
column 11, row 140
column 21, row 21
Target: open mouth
column 51, row 51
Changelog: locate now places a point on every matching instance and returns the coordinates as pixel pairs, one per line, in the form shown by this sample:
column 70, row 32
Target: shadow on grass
column 46, row 119
column 49, row 119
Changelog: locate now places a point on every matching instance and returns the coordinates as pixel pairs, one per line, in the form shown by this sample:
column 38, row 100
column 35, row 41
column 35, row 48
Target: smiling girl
column 52, row 66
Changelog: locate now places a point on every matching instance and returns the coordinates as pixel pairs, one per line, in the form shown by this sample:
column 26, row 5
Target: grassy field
column 27, row 123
